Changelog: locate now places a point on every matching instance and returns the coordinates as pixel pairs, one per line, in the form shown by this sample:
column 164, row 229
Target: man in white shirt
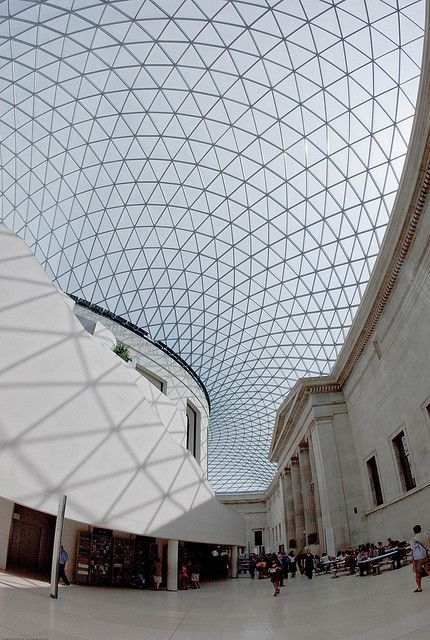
column 420, row 545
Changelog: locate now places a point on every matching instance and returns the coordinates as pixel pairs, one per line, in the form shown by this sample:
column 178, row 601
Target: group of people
column 356, row 557
column 279, row 566
column 189, row 576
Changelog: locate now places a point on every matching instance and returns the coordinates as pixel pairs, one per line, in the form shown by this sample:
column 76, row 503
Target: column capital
column 295, row 459
column 304, row 446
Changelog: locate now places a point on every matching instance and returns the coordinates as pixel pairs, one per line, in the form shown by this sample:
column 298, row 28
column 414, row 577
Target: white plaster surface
column 74, row 421
column 350, row 608
column 179, row 386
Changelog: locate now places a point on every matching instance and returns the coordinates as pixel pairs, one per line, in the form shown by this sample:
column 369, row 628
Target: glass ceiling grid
column 220, row 173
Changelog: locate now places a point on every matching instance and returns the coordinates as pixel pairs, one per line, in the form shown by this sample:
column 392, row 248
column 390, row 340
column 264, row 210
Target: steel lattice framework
column 220, row 173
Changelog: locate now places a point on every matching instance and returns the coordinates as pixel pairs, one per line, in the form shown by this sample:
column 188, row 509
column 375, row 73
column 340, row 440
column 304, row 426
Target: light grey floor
column 374, row 608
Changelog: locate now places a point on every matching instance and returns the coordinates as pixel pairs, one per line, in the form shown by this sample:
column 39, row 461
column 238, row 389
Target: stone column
column 283, row 539
column 316, row 493
column 234, row 560
column 311, row 526
column 290, row 523
column 298, row 502
column 172, row 565
column 330, row 486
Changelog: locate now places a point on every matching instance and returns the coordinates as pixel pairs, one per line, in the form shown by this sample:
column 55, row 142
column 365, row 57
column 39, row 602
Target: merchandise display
column 122, row 562
column 101, row 557
column 107, row 560
column 83, row 558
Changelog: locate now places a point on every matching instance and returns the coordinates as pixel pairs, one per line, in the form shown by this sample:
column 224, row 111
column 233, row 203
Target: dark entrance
column 212, row 562
column 30, row 542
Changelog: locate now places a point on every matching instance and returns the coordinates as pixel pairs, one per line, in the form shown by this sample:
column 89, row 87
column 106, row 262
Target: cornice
column 293, row 406
column 403, row 247
column 411, row 201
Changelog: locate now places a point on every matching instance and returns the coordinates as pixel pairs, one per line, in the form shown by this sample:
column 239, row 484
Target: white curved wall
column 76, row 420
column 180, row 386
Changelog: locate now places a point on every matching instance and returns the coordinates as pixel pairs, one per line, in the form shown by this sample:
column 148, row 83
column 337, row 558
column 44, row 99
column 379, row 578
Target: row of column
column 300, row 503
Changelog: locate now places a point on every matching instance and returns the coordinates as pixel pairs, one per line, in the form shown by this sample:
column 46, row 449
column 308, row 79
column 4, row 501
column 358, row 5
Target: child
column 274, row 573
column 184, row 580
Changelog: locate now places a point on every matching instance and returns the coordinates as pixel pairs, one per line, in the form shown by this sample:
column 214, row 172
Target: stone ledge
column 389, row 503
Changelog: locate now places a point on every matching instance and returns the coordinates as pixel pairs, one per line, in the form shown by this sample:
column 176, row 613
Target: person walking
column 274, row 572
column 420, row 545
column 62, row 562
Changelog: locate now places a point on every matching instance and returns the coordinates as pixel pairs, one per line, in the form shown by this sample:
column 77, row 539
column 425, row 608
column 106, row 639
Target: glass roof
column 220, row 173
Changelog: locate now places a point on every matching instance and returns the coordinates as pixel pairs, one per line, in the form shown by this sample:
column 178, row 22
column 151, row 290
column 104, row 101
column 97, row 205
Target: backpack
column 419, row 551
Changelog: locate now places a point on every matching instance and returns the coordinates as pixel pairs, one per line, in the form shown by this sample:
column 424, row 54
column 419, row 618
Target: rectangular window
column 258, row 538
column 192, row 433
column 375, row 483
column 404, row 462
column 157, row 382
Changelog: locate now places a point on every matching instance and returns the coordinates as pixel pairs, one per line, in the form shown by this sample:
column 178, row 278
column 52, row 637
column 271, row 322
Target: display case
column 83, row 555
column 101, row 557
column 122, row 562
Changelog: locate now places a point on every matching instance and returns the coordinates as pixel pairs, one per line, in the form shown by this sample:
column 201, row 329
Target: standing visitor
column 300, row 561
column 285, row 561
column 292, row 565
column 195, row 575
column 62, row 562
column 184, row 578
column 157, row 574
column 420, row 545
column 251, row 567
column 261, row 567
column 281, row 570
column 308, row 563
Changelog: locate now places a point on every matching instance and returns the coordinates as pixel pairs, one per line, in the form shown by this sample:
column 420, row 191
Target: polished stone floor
column 371, row 608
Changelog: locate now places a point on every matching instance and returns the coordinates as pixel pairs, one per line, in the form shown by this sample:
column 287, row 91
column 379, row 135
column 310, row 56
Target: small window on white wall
column 193, row 431
column 404, row 462
column 157, row 382
column 375, row 483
